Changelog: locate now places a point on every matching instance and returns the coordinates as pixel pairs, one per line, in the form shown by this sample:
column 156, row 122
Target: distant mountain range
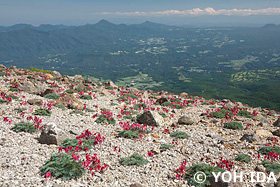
column 238, row 63
column 23, row 40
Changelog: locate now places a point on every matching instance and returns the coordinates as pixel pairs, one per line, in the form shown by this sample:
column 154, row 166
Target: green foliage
column 75, row 142
column 163, row 115
column 129, row 134
column 14, row 89
column 2, row 74
column 51, row 96
column 180, row 135
column 139, row 106
column 243, row 158
column 60, row 106
column 244, row 113
column 69, row 91
column 3, row 101
column 165, row 146
column 202, row 167
column 109, row 88
column 126, row 96
column 12, row 96
column 89, row 110
column 233, row 125
column 113, row 104
column 20, row 109
column 40, row 70
column 42, row 112
column 76, row 112
column 221, row 114
column 128, row 117
column 134, row 159
column 87, row 97
column 167, row 103
column 177, row 106
column 271, row 167
column 88, row 88
column 268, row 149
column 25, row 127
column 102, row 118
column 62, row 165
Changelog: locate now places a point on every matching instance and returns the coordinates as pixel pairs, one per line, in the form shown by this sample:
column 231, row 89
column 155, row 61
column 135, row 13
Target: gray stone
column 185, row 120
column 250, row 138
column 277, row 123
column 51, row 134
column 2, row 66
column 276, row 133
column 258, row 117
column 151, row 118
column 55, row 74
column 37, row 102
column 136, row 185
column 69, row 101
column 78, row 79
column 31, row 88
column 229, row 105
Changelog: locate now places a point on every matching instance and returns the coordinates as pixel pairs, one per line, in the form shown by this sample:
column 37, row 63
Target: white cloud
column 199, row 12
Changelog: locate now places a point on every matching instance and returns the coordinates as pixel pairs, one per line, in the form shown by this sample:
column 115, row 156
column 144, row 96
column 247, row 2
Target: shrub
column 75, row 142
column 51, row 96
column 3, row 101
column 177, row 106
column 167, row 103
column 163, row 115
column 87, row 97
column 164, row 147
column 243, row 158
column 233, row 125
column 129, row 134
column 12, row 96
column 70, row 91
column 106, row 116
column 24, row 127
column 134, row 159
column 61, row 106
column 268, row 149
column 42, row 112
column 14, row 89
column 89, row 110
column 271, row 167
column 2, row 74
column 202, row 167
column 128, row 117
column 139, row 106
column 20, row 109
column 62, row 165
column 221, row 114
column 40, row 70
column 179, row 135
column 244, row 113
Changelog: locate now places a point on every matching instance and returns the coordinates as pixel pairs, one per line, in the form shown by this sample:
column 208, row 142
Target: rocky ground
column 23, row 154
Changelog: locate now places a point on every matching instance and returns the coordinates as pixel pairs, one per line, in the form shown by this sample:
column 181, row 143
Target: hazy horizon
column 178, row 12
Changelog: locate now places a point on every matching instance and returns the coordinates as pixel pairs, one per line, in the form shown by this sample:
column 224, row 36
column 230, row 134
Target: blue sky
column 175, row 12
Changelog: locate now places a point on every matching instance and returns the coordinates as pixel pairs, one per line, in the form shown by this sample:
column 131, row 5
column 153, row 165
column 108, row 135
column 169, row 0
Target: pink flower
column 151, row 153
column 5, row 119
column 48, row 175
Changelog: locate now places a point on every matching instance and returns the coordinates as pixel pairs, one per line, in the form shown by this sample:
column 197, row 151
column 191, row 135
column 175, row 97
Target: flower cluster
column 272, row 156
column 181, row 170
